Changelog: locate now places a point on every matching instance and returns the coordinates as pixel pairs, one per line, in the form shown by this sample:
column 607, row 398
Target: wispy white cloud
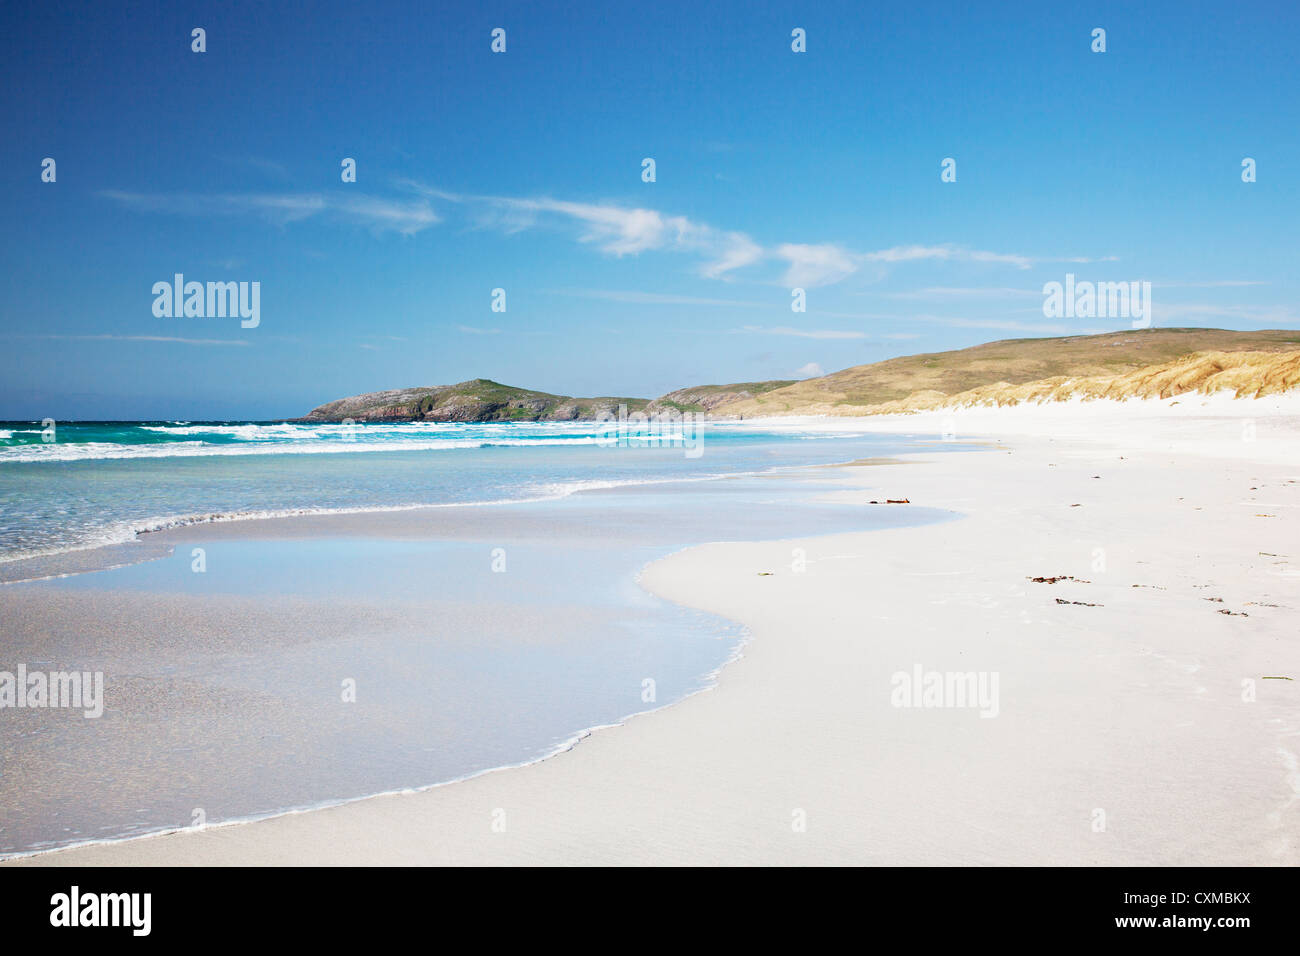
column 404, row 216
column 471, row 330
column 401, row 216
column 915, row 253
column 630, row 230
column 625, row 231
column 735, row 251
column 811, row 370
column 614, row 229
column 815, row 265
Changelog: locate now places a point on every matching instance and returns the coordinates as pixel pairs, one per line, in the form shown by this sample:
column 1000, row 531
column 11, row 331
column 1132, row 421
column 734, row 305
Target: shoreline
column 66, row 560
column 37, row 857
column 1133, row 711
column 136, row 540
column 140, row 533
column 708, row 681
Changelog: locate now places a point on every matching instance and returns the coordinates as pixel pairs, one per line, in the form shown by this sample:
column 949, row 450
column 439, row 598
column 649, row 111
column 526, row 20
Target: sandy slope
column 1133, row 707
column 1133, row 363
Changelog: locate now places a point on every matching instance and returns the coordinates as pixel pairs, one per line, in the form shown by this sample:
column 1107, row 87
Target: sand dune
column 1244, row 374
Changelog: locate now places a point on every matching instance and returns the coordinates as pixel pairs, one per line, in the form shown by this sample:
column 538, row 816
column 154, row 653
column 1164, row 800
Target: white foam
column 104, row 451
column 127, row 531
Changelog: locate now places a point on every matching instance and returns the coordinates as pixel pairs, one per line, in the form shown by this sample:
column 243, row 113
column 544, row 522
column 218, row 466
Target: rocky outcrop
column 478, row 400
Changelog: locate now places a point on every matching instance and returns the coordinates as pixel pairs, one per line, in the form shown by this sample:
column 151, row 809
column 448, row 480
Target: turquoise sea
column 84, row 484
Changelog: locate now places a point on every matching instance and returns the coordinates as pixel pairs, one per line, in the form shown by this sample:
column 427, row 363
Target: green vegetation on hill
column 1014, row 361
column 478, row 400
column 909, row 381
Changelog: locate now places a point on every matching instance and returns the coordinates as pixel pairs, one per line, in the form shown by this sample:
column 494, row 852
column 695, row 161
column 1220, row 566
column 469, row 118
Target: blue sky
column 522, row 171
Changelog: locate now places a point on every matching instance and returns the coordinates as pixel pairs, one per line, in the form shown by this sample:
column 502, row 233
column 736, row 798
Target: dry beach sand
column 1136, row 723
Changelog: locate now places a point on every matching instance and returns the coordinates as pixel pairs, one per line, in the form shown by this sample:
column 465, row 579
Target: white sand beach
column 1139, row 722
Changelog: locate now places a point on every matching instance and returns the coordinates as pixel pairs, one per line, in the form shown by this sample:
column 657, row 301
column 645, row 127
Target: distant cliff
column 478, row 400
column 710, row 398
column 482, row 400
